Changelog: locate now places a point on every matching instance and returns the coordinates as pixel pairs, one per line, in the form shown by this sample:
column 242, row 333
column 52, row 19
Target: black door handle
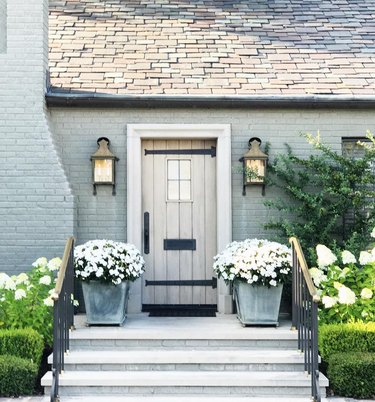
column 146, row 233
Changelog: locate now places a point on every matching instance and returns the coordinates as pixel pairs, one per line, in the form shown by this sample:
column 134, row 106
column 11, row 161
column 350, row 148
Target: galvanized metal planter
column 105, row 303
column 257, row 305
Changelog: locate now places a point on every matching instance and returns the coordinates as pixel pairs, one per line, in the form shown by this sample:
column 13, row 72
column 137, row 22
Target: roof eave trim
column 61, row 99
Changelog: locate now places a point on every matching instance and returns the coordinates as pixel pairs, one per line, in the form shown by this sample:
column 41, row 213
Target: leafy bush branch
column 321, row 192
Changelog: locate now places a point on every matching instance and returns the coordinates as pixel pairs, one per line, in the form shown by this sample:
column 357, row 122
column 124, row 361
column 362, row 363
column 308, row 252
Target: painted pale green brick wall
column 3, row 25
column 36, row 202
column 104, row 215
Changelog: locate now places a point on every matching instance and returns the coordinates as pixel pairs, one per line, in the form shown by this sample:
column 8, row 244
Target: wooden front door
column 179, row 227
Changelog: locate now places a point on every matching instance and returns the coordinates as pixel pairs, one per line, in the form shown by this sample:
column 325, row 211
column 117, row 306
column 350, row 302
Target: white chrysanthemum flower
column 45, row 280
column 365, row 258
column 114, row 261
column 373, row 233
column 348, row 257
column 366, row 293
column 48, row 301
column 40, row 262
column 325, row 256
column 329, row 301
column 19, row 294
column 364, row 314
column 256, row 261
column 54, row 264
column 346, row 295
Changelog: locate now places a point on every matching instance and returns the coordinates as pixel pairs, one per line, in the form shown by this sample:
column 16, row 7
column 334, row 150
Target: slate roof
column 213, row 47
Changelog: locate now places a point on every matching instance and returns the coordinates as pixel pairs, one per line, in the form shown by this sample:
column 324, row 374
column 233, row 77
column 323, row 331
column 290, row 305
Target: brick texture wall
column 36, row 203
column 3, row 25
column 105, row 216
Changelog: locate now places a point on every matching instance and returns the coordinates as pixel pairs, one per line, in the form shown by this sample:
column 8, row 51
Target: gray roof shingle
column 213, row 47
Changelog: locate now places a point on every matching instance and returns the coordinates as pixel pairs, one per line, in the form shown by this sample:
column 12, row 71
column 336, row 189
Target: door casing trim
column 222, row 133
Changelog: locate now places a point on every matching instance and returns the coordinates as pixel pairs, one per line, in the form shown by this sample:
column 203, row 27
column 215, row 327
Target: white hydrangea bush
column 108, row 261
column 346, row 284
column 26, row 298
column 259, row 262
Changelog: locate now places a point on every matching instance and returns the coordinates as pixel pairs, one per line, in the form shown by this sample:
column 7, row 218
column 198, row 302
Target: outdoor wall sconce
column 254, row 165
column 103, row 165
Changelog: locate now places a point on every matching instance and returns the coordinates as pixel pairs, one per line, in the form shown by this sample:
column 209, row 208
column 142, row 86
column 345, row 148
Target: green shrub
column 17, row 376
column 325, row 187
column 25, row 343
column 351, row 337
column 352, row 374
column 25, row 299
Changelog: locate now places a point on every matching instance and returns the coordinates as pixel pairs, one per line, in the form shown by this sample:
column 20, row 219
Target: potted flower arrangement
column 257, row 269
column 106, row 269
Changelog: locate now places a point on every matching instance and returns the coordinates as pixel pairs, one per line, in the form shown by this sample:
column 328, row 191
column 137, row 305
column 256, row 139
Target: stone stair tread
column 183, row 357
column 242, row 334
column 221, row 327
column 169, row 398
column 183, row 379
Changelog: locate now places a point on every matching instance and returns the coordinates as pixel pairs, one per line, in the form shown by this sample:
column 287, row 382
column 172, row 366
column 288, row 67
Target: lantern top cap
column 103, row 150
column 254, row 151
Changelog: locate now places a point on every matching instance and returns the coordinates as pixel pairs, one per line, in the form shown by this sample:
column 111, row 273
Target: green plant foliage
column 17, row 376
column 351, row 337
column 346, row 285
column 319, row 191
column 25, row 299
column 25, row 343
column 352, row 374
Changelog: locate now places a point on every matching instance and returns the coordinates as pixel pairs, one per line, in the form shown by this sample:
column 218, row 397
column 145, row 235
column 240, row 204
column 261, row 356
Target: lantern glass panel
column 103, row 171
column 255, row 167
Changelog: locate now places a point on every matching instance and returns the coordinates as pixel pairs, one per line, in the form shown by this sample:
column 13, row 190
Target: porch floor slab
column 223, row 326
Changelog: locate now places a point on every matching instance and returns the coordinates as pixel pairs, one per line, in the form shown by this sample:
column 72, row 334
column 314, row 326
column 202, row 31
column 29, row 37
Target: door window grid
column 179, row 180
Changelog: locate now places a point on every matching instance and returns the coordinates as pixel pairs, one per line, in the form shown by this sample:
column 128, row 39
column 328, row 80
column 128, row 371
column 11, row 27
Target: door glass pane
column 173, row 170
column 185, row 193
column 173, row 193
column 179, row 180
column 184, row 170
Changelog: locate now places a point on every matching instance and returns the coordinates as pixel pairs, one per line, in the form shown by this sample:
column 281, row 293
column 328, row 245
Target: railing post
column 315, row 354
column 305, row 316
column 294, row 287
column 63, row 311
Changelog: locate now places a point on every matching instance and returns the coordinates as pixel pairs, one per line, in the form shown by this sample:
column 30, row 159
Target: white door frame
column 222, row 133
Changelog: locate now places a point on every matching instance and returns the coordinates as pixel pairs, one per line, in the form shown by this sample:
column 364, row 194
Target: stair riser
column 125, row 344
column 184, row 391
column 186, row 367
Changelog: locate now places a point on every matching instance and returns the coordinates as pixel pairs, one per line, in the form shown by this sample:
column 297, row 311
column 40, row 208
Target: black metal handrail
column 305, row 315
column 63, row 315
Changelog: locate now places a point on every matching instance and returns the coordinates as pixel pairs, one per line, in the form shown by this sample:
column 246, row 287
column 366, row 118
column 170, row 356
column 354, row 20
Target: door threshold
column 180, row 310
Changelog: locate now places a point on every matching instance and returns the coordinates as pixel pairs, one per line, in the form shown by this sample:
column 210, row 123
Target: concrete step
column 169, row 398
column 120, row 339
column 202, row 344
column 184, row 383
column 176, row 360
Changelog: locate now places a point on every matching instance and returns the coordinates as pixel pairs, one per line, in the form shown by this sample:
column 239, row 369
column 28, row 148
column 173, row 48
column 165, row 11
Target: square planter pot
column 257, row 304
column 106, row 304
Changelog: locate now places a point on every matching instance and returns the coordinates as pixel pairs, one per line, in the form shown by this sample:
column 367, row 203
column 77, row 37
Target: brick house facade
column 267, row 70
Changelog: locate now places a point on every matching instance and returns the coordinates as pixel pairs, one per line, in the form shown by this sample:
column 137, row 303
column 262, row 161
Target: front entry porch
column 184, row 358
